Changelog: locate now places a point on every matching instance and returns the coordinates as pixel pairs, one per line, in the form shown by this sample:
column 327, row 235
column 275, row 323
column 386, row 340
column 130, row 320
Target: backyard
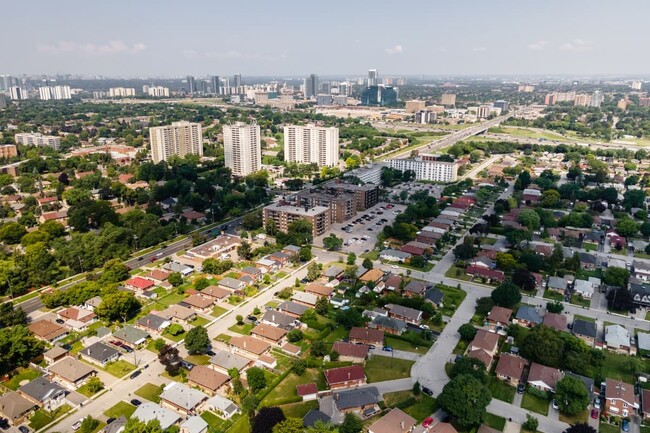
column 286, row 389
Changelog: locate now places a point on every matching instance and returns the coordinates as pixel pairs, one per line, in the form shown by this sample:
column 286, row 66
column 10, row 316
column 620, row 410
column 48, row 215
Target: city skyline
column 427, row 38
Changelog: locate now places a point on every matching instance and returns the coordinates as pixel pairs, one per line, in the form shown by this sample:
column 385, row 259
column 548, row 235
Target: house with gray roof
column 152, row 323
column 194, row 424
column 100, row 354
column 415, row 288
column 181, row 398
column 224, row 361
column 557, row 283
column 15, row 407
column 357, row 399
column 117, row 426
column 44, row 393
column 527, row 316
column 313, row 416
column 281, row 320
column 435, row 296
column 585, row 330
column 225, row 408
column 394, row 255
column 232, row 284
column 292, row 308
column 304, row 298
column 617, row 339
column 184, row 270
column 333, row 271
column 149, row 411
column 388, row 324
column 643, row 341
column 131, row 335
column 253, row 272
column 409, row 315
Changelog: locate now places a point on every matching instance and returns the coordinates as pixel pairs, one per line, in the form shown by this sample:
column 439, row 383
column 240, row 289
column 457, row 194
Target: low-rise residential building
column 194, row 424
column 100, row 354
column 645, row 403
column 153, row 323
column 249, row 346
column 47, row 331
column 206, row 379
column 392, row 255
column 269, row 333
column 222, row 406
column 292, row 309
column 499, row 316
column 371, row 337
column 364, row 400
column 279, row 319
column 223, row 361
column 585, row 330
column 510, row 368
column 395, row 421
column 44, row 393
column 217, row 293
column 149, row 411
column 406, row 314
column 558, row 284
column 544, row 378
column 415, row 288
column 372, row 276
column 139, row 284
column 54, row 354
column 388, row 324
column 583, row 288
column 555, row 320
column 70, row 372
column 131, row 335
column 319, row 290
column 303, row 298
column 181, row 398
column 435, row 296
column 619, row 398
column 178, row 314
column 232, row 284
column 307, row 391
column 345, row 377
column 15, row 408
column 641, row 270
column 350, row 351
column 198, row 303
column 490, row 275
column 527, row 316
column 617, row 339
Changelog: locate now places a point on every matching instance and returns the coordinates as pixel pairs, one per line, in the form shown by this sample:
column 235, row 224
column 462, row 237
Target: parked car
column 136, row 402
column 521, row 388
column 210, row 353
column 555, row 406
column 427, row 422
column 110, row 420
column 597, row 404
column 387, row 349
column 427, row 391
column 625, row 425
column 60, row 321
column 594, row 413
column 134, row 374
column 251, row 318
column 75, row 426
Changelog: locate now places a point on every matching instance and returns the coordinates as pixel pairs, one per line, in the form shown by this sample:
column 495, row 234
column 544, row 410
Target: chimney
column 349, row 376
column 244, row 344
column 401, row 425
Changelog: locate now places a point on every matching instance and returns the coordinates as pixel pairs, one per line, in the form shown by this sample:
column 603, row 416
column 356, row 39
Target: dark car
column 594, row 413
column 625, row 425
column 4, row 423
column 387, row 349
column 110, row 420
column 134, row 374
column 210, row 353
column 136, row 402
column 23, row 429
column 60, row 321
column 521, row 388
column 427, row 391
column 251, row 318
column 140, row 258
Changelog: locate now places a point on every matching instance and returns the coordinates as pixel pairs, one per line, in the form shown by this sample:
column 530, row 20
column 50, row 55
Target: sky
column 146, row 38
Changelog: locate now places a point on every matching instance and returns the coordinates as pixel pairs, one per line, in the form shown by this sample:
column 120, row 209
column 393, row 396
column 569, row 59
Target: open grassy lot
column 150, row 392
column 42, row 417
column 422, row 407
column 199, row 321
column 27, row 374
column 119, row 368
column 298, row 410
column 336, row 334
column 404, row 345
column 554, row 295
column 198, row 359
column 457, row 273
column 119, row 409
column 287, row 388
column 535, row 404
column 381, row 368
column 579, row 300
column 617, row 367
column 500, row 390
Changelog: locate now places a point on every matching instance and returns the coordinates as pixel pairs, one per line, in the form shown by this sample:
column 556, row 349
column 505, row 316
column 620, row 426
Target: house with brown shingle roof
column 510, row 368
column 178, row 314
column 217, row 293
column 206, row 379
column 544, row 378
column 395, row 421
column 555, row 321
column 482, row 356
column 157, row 276
column 15, row 407
column 250, row 346
column 197, row 302
column 269, row 333
column 47, row 331
column 485, row 340
column 345, row 377
column 350, row 351
column 71, row 372
column 619, row 398
column 499, row 316
column 372, row 276
column 319, row 289
column 374, row 337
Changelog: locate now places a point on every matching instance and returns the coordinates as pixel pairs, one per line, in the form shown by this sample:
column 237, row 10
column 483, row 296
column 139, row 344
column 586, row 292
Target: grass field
column 554, row 295
column 585, row 318
column 119, row 368
column 536, row 404
column 590, row 247
column 381, row 368
column 218, row 311
column 214, row 422
column 608, row 428
column 532, row 133
column 579, row 300
column 199, row 321
column 41, row 417
column 405, row 345
column 581, row 417
column 242, row 425
column 198, row 359
column 27, row 374
column 457, row 273
column 298, row 410
column 150, row 392
column 244, row 329
column 83, row 390
column 423, row 407
column 119, row 409
column 617, row 367
column 287, row 388
column 500, row 390
column 495, row 421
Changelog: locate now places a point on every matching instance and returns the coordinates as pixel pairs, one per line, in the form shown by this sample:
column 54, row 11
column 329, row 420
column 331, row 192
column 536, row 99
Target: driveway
column 399, row 354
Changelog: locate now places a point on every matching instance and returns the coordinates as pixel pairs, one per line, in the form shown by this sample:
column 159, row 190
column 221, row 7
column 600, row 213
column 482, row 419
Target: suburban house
column 268, row 333
column 249, row 346
column 306, row 299
column 333, row 272
column 206, row 379
column 345, row 377
column 131, row 335
column 499, row 316
column 555, row 320
column 641, row 270
column 44, row 393
column 70, row 372
column 268, row 265
column 645, row 403
column 483, row 347
column 253, row 272
column 223, row 361
column 585, row 330
column 100, row 354
column 319, row 290
column 54, row 354
column 372, row 276
column 527, row 316
column 491, row 275
column 223, row 407
column 291, row 349
column 77, row 317
column 15, row 407
column 350, row 351
column 414, row 288
column 217, row 293
column 47, row 331
column 178, row 314
column 307, row 391
column 388, row 324
column 544, row 378
column 617, row 339
column 583, row 288
column 292, row 309
column 391, row 255
column 181, row 398
column 149, row 411
column 291, row 250
column 588, row 261
column 197, row 302
column 92, row 303
column 373, row 337
column 280, row 257
column 281, row 320
column 138, row 283
column 409, row 315
column 266, row 361
column 558, row 284
column 392, row 282
column 157, row 276
column 395, row 421
column 232, row 284
column 364, row 400
column 194, row 424
column 435, row 296
column 619, row 398
column 152, row 323
column 510, row 368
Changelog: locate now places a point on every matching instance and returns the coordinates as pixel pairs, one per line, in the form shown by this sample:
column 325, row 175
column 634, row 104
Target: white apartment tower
column 54, row 92
column 242, row 149
column 179, row 138
column 310, row 143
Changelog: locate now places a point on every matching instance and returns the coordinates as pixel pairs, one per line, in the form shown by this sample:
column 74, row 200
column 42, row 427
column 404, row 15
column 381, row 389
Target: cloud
column 90, row 49
column 397, row 49
column 479, row 49
column 578, row 46
column 243, row 56
column 537, row 46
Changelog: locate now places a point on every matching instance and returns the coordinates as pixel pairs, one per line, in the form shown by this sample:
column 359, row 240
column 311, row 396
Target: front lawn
column 617, row 367
column 422, row 407
column 298, row 410
column 26, row 374
column 608, row 428
column 461, row 347
column 381, row 368
column 42, row 417
column 119, row 409
column 175, row 338
column 198, row 359
column 500, row 390
column 590, row 246
column 84, row 390
column 199, row 321
column 494, row 421
column 579, row 300
column 218, row 311
column 535, row 404
column 554, row 295
column 581, row 417
column 242, row 425
column 223, row 337
column 244, row 329
column 150, row 392
column 214, row 422
column 398, row 344
column 119, row 368
column 457, row 273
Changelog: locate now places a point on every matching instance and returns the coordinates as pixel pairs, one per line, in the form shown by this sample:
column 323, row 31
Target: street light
column 135, row 239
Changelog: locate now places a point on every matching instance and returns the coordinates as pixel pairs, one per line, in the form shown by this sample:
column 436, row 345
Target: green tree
column 580, row 427
column 313, row 271
column 240, row 319
column 266, row 419
column 175, row 279
column 352, row 258
column 88, row 425
column 531, row 423
column 118, row 306
column 197, row 340
column 11, row 233
column 467, row 332
column 626, row 227
column 470, row 366
column 256, row 378
column 11, row 315
column 95, row 384
column 158, row 344
column 114, row 271
column 465, row 398
column 134, row 425
column 550, row 198
column 351, row 424
column 175, row 329
column 571, row 396
column 334, row 356
column 332, row 242
column 318, row 348
column 616, row 276
column 554, row 307
column 322, row 306
column 367, row 263
column 305, row 253
column 543, row 345
column 529, row 219
column 299, row 367
column 289, row 425
column 17, row 347
column 506, row 295
column 506, row 261
column 245, row 251
column 295, row 335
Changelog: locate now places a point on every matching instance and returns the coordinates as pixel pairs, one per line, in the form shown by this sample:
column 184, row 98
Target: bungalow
column 487, row 341
column 279, row 257
column 217, row 293
column 491, row 275
column 100, row 354
column 544, row 378
column 149, row 411
column 319, row 290
column 428, row 237
column 555, row 321
column 131, row 335
column 350, row 351
column 640, row 294
column 70, row 372
column 232, row 284
column 409, row 315
column 583, row 288
column 388, row 324
column 391, row 255
column 372, row 276
column 268, row 265
column 333, row 272
column 253, row 272
column 641, row 270
column 60, row 216
column 178, row 314
column 54, row 354
column 616, row 241
column 415, row 288
column 645, row 400
column 619, row 398
column 184, row 270
column 499, row 316
column 588, row 261
column 138, row 283
column 304, row 298
column 291, row 349
column 206, row 379
column 558, row 284
column 291, row 250
column 435, row 297
column 584, row 330
column 157, row 276
column 223, row 361
column 181, row 398
column 393, row 282
column 345, row 377
column 78, row 315
column 363, row 400
column 249, row 346
column 44, row 393
column 510, row 368
column 193, row 216
column 194, row 424
column 152, row 323
column 527, row 316
column 15, row 408
column 92, row 303
column 197, row 302
column 268, row 333
column 307, row 391
column 617, row 339
column 223, row 407
column 372, row 337
column 279, row 319
column 395, row 421
column 416, row 248
column 266, row 361
column 47, row 331
column 292, row 309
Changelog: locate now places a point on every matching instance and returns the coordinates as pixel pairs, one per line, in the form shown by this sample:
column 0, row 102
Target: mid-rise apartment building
column 242, row 148
column 158, row 92
column 413, row 106
column 283, row 213
column 342, row 206
column 47, row 93
column 448, row 99
column 311, row 144
column 8, row 151
column 179, row 138
column 427, row 167
column 37, row 139
column 121, row 92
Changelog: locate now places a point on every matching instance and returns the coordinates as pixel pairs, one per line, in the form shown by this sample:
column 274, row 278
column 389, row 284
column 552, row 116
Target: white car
column 76, row 425
column 394, row 267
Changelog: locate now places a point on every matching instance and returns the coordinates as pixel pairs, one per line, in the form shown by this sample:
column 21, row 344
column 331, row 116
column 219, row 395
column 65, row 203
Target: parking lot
column 359, row 233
